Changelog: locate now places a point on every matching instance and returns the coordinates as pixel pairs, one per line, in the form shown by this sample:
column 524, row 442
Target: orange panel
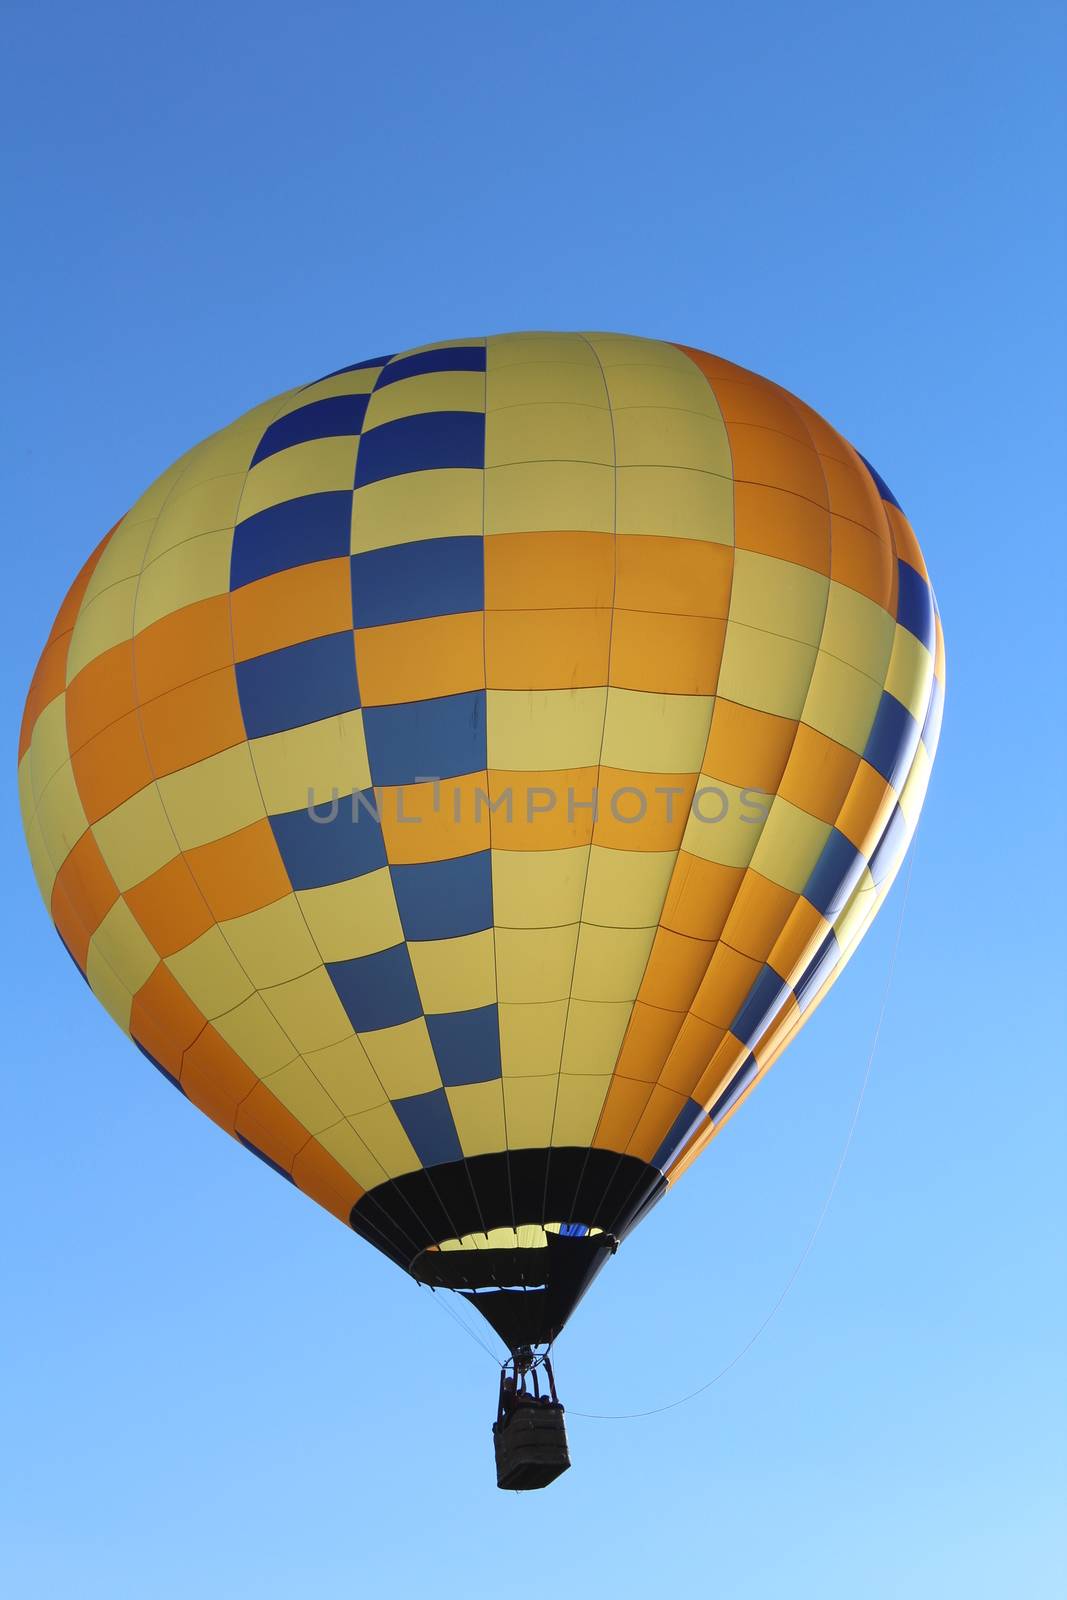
column 112, row 767
column 762, row 455
column 642, row 810
column 164, row 1021
column 183, row 646
column 853, row 495
column 726, row 984
column 288, row 607
column 197, row 720
column 775, row 523
column 801, row 936
column 904, row 540
column 215, row 1078
column 548, row 810
column 863, row 561
column 322, row 1178
column 747, row 748
column 405, row 661
column 656, row 1122
column 819, row 774
column 866, row 810
column 694, row 1048
column 623, row 1105
column 547, row 649
column 170, row 908
column 762, row 405
column 437, row 822
column 649, row 1037
column 700, row 896
column 48, row 681
column 550, row 570
column 102, row 692
column 264, row 1121
column 720, row 1070
column 682, row 577
column 758, row 916
column 240, row 873
column 675, row 968
column 82, row 896
column 666, row 654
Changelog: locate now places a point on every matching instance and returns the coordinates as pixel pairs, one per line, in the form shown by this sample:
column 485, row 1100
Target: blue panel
column 932, row 726
column 890, row 847
column 422, row 443
column 764, row 998
column 427, row 1121
column 377, row 991
column 443, row 899
column 817, row 971
column 302, row 683
column 736, row 1089
column 460, row 358
column 915, row 604
column 429, row 578
column 573, row 1230
column 892, row 740
column 336, row 417
column 880, row 484
column 318, row 848
column 467, row 1045
column 834, row 876
column 266, row 1160
column 314, row 527
column 426, row 739
column 356, row 366
column 685, row 1124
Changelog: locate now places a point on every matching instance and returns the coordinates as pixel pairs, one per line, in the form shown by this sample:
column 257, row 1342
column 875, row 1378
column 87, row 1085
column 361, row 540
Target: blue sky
column 213, row 1388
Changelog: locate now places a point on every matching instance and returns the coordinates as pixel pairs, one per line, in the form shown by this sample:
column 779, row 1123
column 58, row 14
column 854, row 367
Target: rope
column 655, row 1411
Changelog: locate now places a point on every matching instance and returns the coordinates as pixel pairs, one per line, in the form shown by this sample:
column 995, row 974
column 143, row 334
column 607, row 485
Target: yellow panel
column 523, row 349
column 531, row 1038
column 911, row 673
column 204, row 507
column 232, row 448
column 301, row 1093
column 764, row 671
column 314, row 467
column 676, row 503
column 535, row 964
column 538, row 888
column 360, row 381
column 429, row 391
column 549, row 432
column 654, row 733
column 356, row 918
column 857, row 913
column 111, row 992
column 478, row 1112
column 858, row 631
column 544, row 382
column 544, row 730
column 662, row 436
column 841, row 702
column 533, row 496
column 347, row 1075
column 318, row 759
column 122, row 557
column 136, row 838
column 626, row 889
column 194, row 570
column 730, row 840
column 210, row 974
column 779, row 597
column 251, row 1031
column 386, row 1140
column 350, row 1152
column 611, row 962
column 44, row 868
column 107, row 621
column 418, row 505
column 914, row 791
column 61, row 816
column 403, row 1058
column 273, row 944
column 149, row 504
column 529, row 1104
column 123, row 945
column 48, row 748
column 454, row 974
column 595, row 1032
column 633, row 350
column 676, row 389
column 789, row 846
column 581, row 1100
column 309, row 1011
column 213, row 798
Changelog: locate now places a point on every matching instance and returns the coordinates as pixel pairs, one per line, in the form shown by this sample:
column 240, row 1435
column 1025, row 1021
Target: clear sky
column 214, row 1389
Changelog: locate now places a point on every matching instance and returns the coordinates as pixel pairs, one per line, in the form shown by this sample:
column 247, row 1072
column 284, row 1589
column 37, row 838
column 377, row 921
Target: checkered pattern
column 560, row 566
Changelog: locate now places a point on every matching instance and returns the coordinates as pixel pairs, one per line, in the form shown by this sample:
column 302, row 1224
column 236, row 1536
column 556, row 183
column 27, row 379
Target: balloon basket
column 529, row 1434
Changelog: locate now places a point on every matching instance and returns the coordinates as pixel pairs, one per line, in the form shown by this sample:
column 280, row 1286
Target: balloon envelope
column 463, row 774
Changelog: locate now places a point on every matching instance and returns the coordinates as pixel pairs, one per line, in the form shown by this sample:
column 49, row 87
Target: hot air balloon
column 462, row 775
